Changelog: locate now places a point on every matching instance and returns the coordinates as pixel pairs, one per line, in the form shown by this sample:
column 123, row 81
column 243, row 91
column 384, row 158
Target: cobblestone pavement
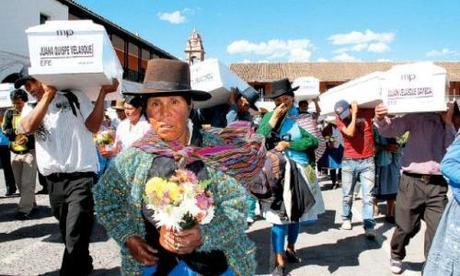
column 33, row 247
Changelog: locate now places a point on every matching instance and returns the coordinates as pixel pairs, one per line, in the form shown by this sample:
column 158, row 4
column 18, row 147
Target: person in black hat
column 284, row 135
column 220, row 247
column 63, row 123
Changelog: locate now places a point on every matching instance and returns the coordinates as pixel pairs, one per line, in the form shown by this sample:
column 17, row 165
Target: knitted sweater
column 118, row 204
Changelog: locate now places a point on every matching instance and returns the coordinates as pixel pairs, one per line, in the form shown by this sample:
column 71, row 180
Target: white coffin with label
column 366, row 91
column 308, row 88
column 5, row 91
column 415, row 87
column 74, row 55
column 216, row 78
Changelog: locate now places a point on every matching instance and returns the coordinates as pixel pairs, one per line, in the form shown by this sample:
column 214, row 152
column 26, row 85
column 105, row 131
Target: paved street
column 33, row 247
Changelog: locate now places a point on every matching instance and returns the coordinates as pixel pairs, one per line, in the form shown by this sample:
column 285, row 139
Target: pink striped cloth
column 307, row 122
column 237, row 150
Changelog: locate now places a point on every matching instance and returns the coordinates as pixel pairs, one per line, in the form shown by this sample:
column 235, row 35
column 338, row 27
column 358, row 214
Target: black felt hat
column 282, row 87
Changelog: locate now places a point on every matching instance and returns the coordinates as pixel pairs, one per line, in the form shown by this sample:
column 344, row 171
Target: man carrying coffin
column 63, row 123
column 358, row 161
column 422, row 189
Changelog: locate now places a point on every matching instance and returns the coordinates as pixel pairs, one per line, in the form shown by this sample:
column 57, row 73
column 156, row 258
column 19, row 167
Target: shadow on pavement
column 31, row 231
column 344, row 252
column 262, row 239
column 325, row 222
column 98, row 272
column 411, row 266
column 97, row 235
column 9, row 211
column 102, row 272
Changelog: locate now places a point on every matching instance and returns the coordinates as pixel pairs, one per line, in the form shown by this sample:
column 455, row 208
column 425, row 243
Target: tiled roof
column 324, row 71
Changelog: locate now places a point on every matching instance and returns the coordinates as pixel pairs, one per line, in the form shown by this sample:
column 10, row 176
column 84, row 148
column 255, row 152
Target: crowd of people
column 252, row 158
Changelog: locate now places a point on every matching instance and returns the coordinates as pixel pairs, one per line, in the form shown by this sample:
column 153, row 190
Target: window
column 43, row 18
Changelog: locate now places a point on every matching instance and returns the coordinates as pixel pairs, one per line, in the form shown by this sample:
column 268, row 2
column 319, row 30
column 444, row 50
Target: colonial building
column 194, row 50
column 330, row 74
column 16, row 16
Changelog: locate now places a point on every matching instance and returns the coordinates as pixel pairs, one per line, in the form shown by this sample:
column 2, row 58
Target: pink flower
column 191, row 177
column 202, row 201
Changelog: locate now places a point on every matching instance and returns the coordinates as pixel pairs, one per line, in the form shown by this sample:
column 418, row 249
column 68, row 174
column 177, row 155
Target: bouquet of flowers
column 179, row 202
column 106, row 138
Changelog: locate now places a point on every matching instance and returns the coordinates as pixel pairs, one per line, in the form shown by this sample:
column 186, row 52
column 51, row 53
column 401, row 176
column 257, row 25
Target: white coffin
column 5, row 90
column 415, row 87
column 216, row 78
column 267, row 105
column 308, row 88
column 366, row 91
column 74, row 54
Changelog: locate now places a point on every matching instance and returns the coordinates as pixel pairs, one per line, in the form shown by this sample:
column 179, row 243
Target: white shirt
column 63, row 144
column 127, row 133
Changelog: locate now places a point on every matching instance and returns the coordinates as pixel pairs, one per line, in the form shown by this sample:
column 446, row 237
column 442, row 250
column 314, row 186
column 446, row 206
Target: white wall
column 15, row 17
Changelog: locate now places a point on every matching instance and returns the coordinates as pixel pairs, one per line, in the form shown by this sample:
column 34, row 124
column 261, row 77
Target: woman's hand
column 278, row 113
column 180, row 242
column 189, row 239
column 106, row 153
column 141, row 251
column 281, row 146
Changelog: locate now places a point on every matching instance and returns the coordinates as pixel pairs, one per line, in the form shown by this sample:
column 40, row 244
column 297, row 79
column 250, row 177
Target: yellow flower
column 174, row 191
column 153, row 185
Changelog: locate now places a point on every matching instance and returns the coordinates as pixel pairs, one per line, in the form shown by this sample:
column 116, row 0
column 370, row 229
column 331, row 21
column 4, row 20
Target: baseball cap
column 342, row 109
column 23, row 77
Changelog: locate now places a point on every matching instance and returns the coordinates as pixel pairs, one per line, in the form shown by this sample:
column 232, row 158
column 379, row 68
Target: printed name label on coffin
column 67, row 51
column 408, row 87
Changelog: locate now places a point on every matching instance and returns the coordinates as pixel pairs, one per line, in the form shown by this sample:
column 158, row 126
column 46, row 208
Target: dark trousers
column 72, row 204
column 417, row 200
column 42, row 181
column 5, row 158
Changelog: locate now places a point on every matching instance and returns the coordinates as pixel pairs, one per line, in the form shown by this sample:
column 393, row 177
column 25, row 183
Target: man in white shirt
column 63, row 123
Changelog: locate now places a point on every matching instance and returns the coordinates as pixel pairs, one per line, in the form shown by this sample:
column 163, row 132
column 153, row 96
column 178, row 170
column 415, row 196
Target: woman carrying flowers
column 174, row 200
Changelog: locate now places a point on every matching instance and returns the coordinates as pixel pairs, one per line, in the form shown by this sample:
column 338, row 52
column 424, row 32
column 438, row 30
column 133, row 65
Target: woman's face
column 132, row 113
column 168, row 116
column 286, row 99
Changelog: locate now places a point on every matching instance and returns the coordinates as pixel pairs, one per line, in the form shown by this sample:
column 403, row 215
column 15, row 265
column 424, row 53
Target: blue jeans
column 181, row 269
column 279, row 232
column 364, row 170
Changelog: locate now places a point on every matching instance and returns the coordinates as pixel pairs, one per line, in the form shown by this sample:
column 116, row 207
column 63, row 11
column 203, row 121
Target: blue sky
column 295, row 30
